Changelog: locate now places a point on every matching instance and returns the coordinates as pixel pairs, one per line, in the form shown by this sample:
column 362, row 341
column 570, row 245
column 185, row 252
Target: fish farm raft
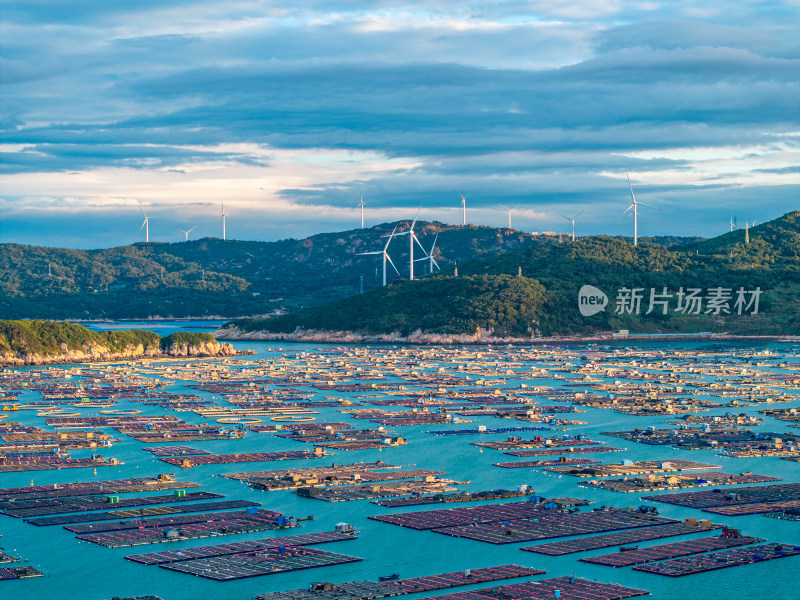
column 577, row 471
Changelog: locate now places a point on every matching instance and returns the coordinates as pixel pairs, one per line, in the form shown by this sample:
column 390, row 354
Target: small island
column 37, row 342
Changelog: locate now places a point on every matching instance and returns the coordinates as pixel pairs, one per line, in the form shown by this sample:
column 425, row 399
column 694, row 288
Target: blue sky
column 289, row 115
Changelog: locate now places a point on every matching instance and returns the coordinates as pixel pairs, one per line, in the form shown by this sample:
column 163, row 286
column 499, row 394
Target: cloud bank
column 290, row 115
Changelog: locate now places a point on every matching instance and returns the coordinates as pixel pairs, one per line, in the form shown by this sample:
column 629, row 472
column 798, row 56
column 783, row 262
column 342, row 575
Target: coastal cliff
column 51, row 342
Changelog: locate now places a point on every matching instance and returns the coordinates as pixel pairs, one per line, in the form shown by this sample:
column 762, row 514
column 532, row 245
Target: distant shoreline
column 232, row 334
column 156, row 320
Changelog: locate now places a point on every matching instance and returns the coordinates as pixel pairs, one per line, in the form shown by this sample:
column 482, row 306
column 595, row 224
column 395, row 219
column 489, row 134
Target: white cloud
column 540, row 105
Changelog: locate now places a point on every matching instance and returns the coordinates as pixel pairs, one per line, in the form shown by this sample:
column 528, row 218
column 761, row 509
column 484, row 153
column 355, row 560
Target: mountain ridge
column 766, row 270
column 207, row 277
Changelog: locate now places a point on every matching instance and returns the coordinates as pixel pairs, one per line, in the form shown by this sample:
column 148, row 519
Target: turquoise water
column 83, row 571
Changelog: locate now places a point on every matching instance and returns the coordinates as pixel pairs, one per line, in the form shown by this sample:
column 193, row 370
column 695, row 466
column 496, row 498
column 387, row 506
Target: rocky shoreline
column 479, row 337
column 97, row 353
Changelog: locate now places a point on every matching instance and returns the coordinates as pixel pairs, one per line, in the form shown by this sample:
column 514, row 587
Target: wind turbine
column 361, row 204
column 429, row 257
column 733, row 224
column 222, row 216
column 463, row 207
column 635, row 207
column 572, row 220
column 412, row 237
column 145, row 225
column 385, row 253
column 508, row 210
column 186, row 233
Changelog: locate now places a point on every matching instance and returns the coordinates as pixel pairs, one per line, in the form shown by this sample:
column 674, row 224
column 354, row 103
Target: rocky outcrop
column 98, row 353
column 211, row 348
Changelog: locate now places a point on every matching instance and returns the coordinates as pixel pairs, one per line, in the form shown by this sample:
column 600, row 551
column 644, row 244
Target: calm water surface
column 82, row 571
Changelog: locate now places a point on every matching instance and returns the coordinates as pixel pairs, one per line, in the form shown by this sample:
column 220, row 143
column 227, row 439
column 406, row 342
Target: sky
column 290, row 115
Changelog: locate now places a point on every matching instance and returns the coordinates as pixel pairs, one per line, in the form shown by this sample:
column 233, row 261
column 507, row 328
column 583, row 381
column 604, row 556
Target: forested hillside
column 720, row 285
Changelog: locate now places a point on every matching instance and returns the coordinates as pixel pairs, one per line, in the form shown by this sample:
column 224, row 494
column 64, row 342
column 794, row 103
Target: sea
column 76, row 570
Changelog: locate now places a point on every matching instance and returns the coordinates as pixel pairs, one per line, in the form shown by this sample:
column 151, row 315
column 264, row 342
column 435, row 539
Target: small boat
column 308, row 518
column 628, row 548
column 391, row 577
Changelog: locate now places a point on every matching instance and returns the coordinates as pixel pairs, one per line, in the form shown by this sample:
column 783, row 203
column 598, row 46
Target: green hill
column 53, row 337
column 489, row 293
column 439, row 305
column 39, row 341
column 210, row 277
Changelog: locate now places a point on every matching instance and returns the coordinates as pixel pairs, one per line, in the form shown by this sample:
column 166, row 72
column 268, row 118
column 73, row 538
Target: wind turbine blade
column 434, row 243
column 192, row 229
column 437, row 264
column 625, row 212
column 416, row 239
column 367, row 253
column 631, row 187
column 504, row 208
column 415, row 216
column 389, row 241
column 648, row 205
column 578, row 215
column 143, row 224
column 566, row 217
column 389, row 258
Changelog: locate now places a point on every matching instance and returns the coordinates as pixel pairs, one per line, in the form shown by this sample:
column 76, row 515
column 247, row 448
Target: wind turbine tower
column 145, row 225
column 412, row 238
column 463, row 207
column 385, row 253
column 635, row 213
column 572, row 220
column 186, row 233
column 635, row 207
column 222, row 216
column 361, row 204
column 431, row 261
column 508, row 210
